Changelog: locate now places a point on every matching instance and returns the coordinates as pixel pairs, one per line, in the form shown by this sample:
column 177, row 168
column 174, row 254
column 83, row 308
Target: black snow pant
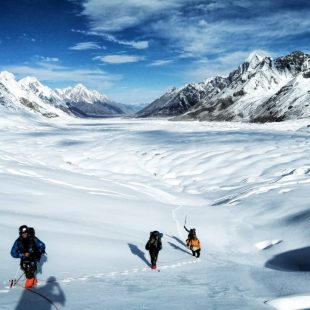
column 154, row 256
column 196, row 253
column 29, row 268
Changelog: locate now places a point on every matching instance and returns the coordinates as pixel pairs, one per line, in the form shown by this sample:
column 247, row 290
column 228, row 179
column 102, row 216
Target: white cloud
column 47, row 59
column 194, row 28
column 143, row 44
column 119, row 59
column 119, row 14
column 51, row 72
column 86, row 46
column 134, row 44
column 27, row 37
column 195, row 36
column 160, row 62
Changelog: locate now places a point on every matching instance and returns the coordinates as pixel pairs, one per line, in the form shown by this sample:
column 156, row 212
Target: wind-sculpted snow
column 94, row 190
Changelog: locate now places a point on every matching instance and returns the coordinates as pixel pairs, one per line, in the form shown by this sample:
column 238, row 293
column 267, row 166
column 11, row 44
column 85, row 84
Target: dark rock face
column 174, row 103
column 292, row 62
column 306, row 74
column 177, row 102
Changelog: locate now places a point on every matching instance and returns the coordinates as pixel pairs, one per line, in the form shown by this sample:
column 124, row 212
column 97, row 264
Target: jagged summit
column 294, row 62
column 260, row 89
column 79, row 86
column 29, row 80
column 30, row 95
column 79, row 93
column 255, row 58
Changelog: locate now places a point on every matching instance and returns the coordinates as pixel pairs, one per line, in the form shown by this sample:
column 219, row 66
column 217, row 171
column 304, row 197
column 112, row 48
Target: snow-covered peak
column 30, row 95
column 255, row 58
column 79, row 93
column 80, row 87
column 33, row 85
column 8, row 80
column 29, row 80
column 5, row 75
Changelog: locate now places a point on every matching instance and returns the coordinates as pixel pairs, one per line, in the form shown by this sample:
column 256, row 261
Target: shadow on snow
column 136, row 251
column 42, row 297
column 178, row 248
column 295, row 260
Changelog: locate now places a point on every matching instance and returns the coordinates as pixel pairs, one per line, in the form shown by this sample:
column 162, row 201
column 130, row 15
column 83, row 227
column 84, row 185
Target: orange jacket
column 193, row 243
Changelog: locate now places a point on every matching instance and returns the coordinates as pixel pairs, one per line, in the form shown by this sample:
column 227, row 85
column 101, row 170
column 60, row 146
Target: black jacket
column 153, row 245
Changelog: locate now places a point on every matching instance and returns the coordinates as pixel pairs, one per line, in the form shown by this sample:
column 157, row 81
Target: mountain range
column 30, row 95
column 259, row 90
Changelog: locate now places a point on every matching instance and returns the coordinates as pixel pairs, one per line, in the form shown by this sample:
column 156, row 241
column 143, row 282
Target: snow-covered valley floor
column 94, row 190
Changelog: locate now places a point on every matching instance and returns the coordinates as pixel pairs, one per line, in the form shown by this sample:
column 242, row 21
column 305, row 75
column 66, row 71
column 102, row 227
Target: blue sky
column 135, row 50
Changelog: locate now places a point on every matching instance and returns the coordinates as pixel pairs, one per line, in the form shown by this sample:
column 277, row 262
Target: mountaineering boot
column 31, row 282
column 153, row 267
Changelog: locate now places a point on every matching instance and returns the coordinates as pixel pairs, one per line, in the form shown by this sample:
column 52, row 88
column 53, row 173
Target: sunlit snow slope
column 94, row 190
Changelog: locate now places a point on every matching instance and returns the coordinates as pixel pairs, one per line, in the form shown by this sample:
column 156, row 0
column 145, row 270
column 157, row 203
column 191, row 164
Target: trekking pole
column 185, row 220
column 15, row 281
column 18, row 267
column 19, row 278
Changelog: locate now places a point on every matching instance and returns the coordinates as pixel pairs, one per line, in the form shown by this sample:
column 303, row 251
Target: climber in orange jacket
column 194, row 245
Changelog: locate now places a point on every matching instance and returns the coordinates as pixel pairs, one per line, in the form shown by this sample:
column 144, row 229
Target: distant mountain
column 259, row 90
column 27, row 95
column 90, row 103
column 30, row 95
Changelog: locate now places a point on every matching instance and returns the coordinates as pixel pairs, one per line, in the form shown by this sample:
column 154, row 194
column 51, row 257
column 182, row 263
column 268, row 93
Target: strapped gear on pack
column 192, row 234
column 36, row 254
column 156, row 234
column 31, row 232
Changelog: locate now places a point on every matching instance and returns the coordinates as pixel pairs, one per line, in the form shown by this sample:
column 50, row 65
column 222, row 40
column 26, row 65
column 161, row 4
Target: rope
column 41, row 295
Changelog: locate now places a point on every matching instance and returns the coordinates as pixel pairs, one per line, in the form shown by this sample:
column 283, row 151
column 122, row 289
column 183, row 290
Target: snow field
column 95, row 189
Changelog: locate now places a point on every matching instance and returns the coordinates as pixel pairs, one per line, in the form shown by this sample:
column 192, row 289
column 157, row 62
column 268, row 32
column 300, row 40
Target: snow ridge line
column 123, row 273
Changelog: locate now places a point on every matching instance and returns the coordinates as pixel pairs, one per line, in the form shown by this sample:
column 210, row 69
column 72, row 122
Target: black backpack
column 155, row 239
column 32, row 235
column 31, row 232
column 156, row 234
column 192, row 233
